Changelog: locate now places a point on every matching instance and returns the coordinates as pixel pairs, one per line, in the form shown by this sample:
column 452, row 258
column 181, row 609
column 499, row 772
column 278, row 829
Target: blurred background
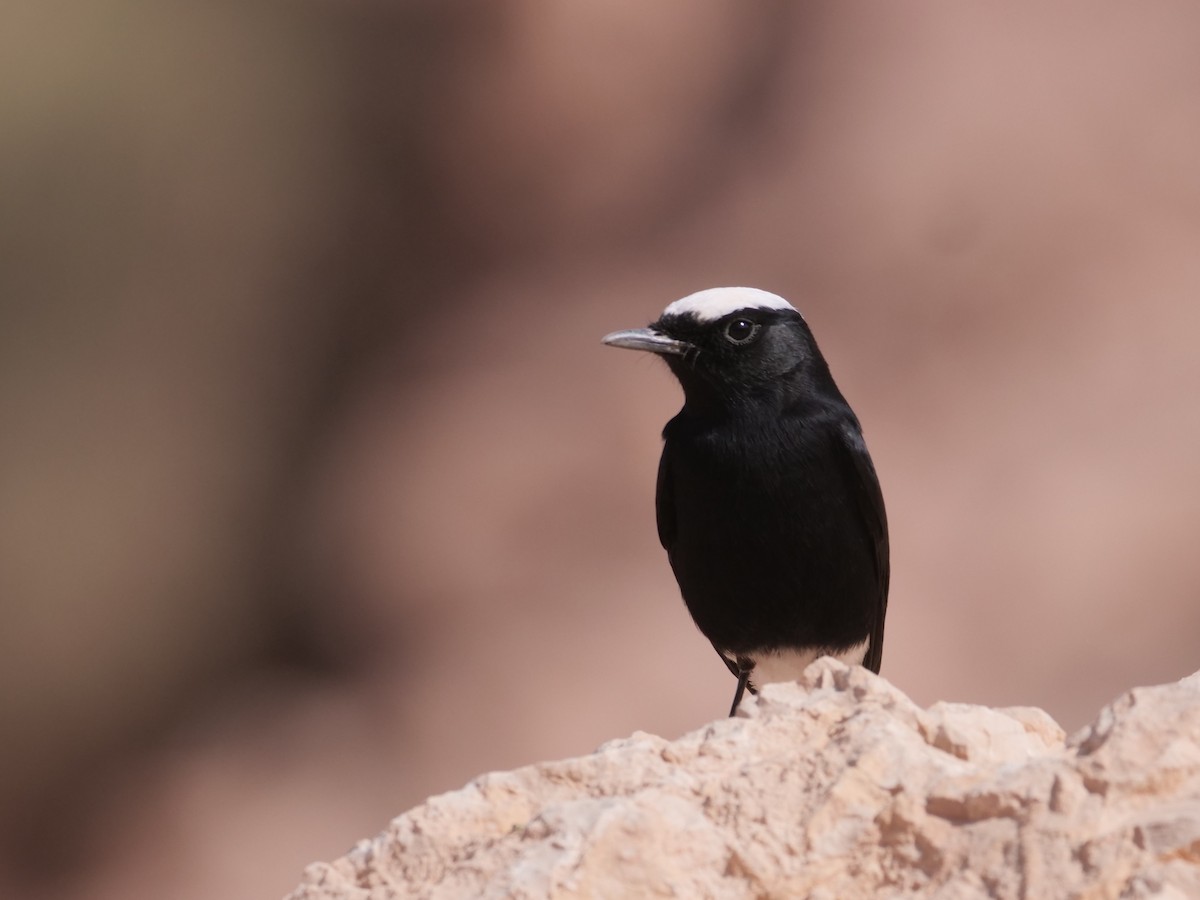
column 319, row 494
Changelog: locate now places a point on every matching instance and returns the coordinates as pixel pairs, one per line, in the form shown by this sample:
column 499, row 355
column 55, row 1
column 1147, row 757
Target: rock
column 836, row 787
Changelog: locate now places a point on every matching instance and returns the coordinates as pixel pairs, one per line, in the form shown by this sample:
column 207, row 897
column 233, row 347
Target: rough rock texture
column 838, row 787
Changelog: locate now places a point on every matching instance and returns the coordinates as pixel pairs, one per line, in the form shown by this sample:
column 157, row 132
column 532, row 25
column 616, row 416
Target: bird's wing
column 664, row 501
column 869, row 498
column 664, row 507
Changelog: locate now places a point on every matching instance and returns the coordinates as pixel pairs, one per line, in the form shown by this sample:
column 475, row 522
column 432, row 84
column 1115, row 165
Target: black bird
column 768, row 504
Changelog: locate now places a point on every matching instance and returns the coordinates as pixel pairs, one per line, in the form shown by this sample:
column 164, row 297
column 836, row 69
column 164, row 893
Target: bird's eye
column 741, row 331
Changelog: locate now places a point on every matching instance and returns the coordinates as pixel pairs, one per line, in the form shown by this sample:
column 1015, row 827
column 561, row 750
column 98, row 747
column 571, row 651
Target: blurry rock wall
column 311, row 462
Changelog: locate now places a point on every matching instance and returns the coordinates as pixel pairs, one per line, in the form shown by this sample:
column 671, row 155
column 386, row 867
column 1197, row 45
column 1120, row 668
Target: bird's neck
column 799, row 394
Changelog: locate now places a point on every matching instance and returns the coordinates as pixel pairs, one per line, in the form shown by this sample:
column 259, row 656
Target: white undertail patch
column 712, row 304
column 774, row 666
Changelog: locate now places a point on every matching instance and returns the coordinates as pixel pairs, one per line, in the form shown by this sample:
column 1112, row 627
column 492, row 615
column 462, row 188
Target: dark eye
column 740, row 331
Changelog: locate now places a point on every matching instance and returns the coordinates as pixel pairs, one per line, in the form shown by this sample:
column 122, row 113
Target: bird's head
column 727, row 345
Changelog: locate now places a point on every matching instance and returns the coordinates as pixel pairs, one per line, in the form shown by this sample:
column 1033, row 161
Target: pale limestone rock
column 838, row 787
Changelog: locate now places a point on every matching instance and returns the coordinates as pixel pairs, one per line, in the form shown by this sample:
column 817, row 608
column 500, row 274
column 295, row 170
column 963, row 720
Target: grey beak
column 647, row 339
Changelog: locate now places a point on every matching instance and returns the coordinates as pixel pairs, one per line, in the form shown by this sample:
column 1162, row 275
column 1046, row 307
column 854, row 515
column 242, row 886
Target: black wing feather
column 664, row 501
column 664, row 510
column 869, row 498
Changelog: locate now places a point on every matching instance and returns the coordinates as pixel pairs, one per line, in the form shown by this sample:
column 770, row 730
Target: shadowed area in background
column 318, row 493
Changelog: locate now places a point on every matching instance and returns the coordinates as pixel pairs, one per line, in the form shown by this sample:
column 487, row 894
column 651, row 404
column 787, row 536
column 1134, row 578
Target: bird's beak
column 647, row 339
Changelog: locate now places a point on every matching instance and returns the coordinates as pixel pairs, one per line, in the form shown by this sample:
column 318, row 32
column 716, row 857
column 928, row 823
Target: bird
column 767, row 502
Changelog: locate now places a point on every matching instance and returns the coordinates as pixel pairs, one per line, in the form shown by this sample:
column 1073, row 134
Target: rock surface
column 838, row 787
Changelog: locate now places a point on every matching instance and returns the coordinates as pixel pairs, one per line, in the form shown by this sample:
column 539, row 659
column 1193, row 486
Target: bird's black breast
column 767, row 524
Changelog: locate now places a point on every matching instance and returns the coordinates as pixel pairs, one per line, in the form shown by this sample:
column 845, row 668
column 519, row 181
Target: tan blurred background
column 318, row 493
